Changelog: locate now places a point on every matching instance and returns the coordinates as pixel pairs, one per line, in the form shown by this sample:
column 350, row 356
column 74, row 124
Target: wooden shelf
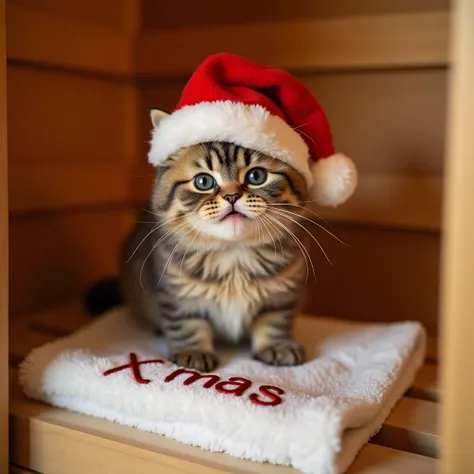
column 45, row 438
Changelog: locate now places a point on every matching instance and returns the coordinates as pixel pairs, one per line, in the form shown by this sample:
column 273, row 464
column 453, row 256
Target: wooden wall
column 81, row 78
column 72, row 142
column 4, row 343
column 380, row 71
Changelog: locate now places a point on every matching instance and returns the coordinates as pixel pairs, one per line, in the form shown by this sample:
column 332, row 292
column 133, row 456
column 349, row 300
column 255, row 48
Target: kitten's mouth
column 233, row 214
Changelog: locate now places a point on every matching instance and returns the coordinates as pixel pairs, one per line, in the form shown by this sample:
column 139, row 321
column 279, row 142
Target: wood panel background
column 379, row 68
column 73, row 141
column 4, row 323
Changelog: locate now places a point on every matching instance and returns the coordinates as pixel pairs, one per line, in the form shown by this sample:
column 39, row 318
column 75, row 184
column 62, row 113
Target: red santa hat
column 232, row 99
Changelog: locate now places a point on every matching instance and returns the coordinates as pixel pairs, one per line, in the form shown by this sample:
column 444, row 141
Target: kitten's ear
column 156, row 116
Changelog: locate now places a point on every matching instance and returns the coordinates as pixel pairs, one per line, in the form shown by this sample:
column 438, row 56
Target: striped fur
column 195, row 275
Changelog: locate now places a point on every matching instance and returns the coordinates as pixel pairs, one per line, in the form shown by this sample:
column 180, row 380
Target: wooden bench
column 54, row 441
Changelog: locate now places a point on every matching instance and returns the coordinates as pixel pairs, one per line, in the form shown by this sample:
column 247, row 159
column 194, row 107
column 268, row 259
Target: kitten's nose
column 232, row 197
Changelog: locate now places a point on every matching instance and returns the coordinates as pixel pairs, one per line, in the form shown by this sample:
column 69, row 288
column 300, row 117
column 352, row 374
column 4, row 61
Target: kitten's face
column 226, row 192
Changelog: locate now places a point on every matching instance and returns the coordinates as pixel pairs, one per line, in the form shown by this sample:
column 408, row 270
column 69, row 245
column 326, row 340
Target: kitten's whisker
column 173, row 252
column 298, row 242
column 259, row 229
column 152, row 213
column 281, row 234
column 302, row 125
column 155, row 228
column 306, row 202
column 185, row 253
column 307, row 136
column 315, row 223
column 153, row 249
column 272, row 227
column 305, row 229
column 271, row 236
column 301, row 207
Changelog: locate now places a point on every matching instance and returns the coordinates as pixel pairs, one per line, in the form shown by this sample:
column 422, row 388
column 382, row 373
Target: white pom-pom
column 334, row 180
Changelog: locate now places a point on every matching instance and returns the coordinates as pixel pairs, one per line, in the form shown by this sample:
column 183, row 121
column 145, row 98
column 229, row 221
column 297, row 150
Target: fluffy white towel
column 315, row 417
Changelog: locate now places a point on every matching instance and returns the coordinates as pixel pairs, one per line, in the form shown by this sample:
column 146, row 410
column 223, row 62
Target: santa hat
column 232, row 99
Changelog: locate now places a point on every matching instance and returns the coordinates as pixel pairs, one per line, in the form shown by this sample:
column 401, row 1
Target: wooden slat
column 21, row 470
column 165, row 15
column 426, row 384
column 377, row 41
column 380, row 460
column 114, row 14
column 65, row 318
column 402, row 202
column 457, row 255
column 4, row 304
column 58, row 438
column 60, row 118
column 22, row 339
column 412, row 427
column 392, row 201
column 59, row 186
column 433, row 350
column 56, row 256
column 39, row 38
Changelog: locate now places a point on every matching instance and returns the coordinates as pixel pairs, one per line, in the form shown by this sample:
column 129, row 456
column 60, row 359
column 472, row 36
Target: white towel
column 315, row 417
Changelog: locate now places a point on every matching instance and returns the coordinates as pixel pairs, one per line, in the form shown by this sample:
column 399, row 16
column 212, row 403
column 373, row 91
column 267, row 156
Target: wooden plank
column 396, row 271
column 67, row 317
column 63, row 319
column 4, row 304
column 426, row 384
column 401, row 202
column 60, row 186
column 165, row 15
column 56, row 256
column 433, row 351
column 457, row 302
column 412, row 427
column 59, row 438
column 40, row 38
column 380, row 120
column 404, row 202
column 375, row 41
column 380, row 460
column 74, row 119
column 22, row 470
column 113, row 14
column 22, row 339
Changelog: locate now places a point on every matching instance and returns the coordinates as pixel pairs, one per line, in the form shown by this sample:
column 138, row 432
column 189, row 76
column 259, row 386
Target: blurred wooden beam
column 44, row 39
column 364, row 42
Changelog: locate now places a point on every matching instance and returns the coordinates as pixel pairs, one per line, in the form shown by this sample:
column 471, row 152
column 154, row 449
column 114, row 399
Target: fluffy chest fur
column 232, row 285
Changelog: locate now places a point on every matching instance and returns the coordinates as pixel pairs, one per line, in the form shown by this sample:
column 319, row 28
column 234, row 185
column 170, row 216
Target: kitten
column 220, row 254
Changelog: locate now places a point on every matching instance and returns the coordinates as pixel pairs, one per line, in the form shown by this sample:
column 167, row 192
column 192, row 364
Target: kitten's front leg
column 191, row 343
column 272, row 343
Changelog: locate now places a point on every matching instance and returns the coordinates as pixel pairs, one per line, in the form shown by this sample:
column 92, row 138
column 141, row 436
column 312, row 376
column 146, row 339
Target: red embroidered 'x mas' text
column 135, row 366
column 236, row 386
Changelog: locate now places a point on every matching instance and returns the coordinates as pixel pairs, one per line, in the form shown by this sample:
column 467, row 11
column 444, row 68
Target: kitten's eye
column 256, row 176
column 204, row 182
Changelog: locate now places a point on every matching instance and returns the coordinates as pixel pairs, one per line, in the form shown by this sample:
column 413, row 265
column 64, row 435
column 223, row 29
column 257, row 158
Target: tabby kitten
column 220, row 253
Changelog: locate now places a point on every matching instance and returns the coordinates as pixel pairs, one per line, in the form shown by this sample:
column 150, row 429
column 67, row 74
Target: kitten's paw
column 283, row 353
column 195, row 360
